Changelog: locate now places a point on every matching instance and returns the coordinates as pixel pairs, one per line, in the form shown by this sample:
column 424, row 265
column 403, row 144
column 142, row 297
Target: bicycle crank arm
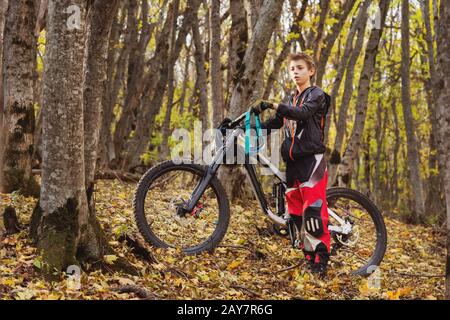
column 345, row 229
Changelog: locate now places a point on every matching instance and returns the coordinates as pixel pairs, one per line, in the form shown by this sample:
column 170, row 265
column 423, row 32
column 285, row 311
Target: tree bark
column 380, row 138
column 237, row 46
column 122, row 127
column 254, row 9
column 324, row 8
column 186, row 79
column 367, row 168
column 62, row 215
column 330, row 39
column 346, row 167
column 216, row 67
column 100, row 18
column 358, row 24
column 295, row 29
column 19, row 63
column 63, row 202
column 166, row 125
column 200, row 65
column 106, row 147
column 443, row 116
column 3, row 8
column 413, row 159
column 435, row 180
column 395, row 154
column 341, row 126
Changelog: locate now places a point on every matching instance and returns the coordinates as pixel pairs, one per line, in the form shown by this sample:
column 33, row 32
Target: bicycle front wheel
column 160, row 193
column 361, row 250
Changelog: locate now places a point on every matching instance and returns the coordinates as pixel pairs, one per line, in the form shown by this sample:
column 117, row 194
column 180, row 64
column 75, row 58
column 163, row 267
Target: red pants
column 308, row 199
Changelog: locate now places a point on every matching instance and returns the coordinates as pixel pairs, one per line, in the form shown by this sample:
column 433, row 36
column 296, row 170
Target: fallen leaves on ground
column 246, row 265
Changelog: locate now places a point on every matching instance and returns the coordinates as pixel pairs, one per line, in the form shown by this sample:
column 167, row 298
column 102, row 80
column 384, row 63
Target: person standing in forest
column 303, row 116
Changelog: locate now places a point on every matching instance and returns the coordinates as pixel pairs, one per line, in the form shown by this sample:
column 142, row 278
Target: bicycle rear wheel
column 362, row 250
column 159, row 194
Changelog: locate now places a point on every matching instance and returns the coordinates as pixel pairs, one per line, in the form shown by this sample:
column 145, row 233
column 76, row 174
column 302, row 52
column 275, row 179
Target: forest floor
column 249, row 264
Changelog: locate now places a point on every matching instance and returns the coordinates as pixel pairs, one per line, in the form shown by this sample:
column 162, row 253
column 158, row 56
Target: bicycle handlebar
column 236, row 121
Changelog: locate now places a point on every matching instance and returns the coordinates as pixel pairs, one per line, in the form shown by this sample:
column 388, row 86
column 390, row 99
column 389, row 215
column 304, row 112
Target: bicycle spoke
column 357, row 248
column 165, row 195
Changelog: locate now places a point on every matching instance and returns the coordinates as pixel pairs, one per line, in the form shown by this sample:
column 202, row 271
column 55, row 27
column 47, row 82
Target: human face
column 300, row 74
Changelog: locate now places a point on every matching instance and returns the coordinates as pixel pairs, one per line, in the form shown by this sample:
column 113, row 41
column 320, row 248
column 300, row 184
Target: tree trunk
column 341, row 126
column 19, row 63
column 123, row 125
column 41, row 6
column 435, row 181
column 201, row 73
column 105, row 140
column 254, row 9
column 186, row 79
column 100, row 18
column 433, row 185
column 324, row 8
column 380, row 138
column 62, row 215
column 443, row 116
column 63, row 201
column 413, row 159
column 395, row 154
column 3, row 8
column 166, row 125
column 237, row 46
column 367, row 169
column 206, row 31
column 345, row 169
column 193, row 100
column 295, row 29
column 216, row 67
column 330, row 39
column 357, row 24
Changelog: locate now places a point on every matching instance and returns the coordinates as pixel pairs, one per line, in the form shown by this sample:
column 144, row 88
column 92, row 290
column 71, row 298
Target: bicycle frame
column 344, row 227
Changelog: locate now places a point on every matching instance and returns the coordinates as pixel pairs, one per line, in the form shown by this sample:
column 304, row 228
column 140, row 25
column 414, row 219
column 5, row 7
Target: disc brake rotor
column 350, row 239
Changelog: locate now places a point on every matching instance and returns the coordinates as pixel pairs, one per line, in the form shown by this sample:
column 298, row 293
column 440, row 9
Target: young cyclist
column 303, row 114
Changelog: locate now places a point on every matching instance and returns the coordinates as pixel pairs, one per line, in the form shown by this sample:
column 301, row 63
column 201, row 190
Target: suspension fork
column 200, row 188
column 210, row 173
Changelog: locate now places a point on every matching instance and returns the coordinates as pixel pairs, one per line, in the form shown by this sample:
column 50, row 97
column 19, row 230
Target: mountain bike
column 184, row 205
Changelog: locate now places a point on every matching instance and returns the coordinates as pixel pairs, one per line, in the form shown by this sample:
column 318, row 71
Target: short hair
column 295, row 56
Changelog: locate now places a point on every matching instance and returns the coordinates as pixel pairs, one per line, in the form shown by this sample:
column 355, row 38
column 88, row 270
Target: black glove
column 261, row 105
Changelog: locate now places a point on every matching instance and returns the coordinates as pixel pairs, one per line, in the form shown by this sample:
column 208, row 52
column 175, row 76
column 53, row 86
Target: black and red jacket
column 307, row 110
column 309, row 118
